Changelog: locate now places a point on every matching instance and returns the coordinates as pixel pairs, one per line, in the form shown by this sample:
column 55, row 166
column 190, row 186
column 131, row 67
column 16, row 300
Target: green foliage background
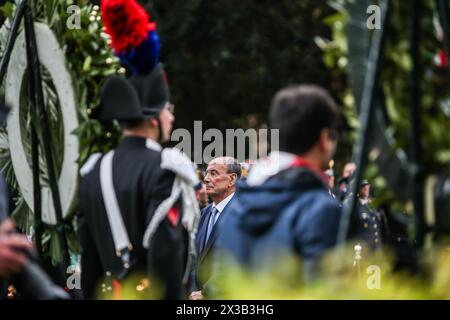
column 227, row 58
column 394, row 81
column 225, row 61
column 89, row 60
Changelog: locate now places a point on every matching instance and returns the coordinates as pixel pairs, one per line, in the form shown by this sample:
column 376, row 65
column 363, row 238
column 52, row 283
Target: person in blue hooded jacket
column 284, row 207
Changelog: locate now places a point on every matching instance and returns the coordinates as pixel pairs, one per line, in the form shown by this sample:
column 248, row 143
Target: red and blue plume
column 133, row 36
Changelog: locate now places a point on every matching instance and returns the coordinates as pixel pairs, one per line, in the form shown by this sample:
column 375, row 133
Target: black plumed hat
column 153, row 91
column 136, row 43
column 137, row 98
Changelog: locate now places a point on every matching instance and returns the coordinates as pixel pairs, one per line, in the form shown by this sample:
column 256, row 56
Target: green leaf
column 23, row 216
column 7, row 9
column 87, row 63
column 443, row 156
column 55, row 248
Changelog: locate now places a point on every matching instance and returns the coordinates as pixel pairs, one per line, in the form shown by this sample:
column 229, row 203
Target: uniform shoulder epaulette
column 175, row 160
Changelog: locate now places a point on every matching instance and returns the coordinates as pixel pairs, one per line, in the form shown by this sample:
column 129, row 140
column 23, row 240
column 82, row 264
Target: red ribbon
column 174, row 215
column 116, row 290
column 300, row 162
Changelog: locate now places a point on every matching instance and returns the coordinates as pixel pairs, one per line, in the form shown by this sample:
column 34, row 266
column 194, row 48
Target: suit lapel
column 214, row 234
column 212, row 238
column 203, row 224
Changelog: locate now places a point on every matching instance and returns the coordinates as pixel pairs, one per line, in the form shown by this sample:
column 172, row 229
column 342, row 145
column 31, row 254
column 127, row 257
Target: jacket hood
column 259, row 206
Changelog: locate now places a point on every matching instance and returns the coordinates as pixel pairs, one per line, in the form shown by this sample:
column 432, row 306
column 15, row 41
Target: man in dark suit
column 220, row 180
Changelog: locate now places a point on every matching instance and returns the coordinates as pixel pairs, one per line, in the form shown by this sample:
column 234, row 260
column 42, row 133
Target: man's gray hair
column 235, row 167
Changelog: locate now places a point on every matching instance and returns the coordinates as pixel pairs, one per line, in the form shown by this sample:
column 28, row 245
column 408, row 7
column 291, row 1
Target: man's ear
column 233, row 178
column 323, row 139
column 154, row 122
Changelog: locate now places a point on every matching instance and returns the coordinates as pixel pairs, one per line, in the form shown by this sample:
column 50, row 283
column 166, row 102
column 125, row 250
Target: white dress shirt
column 221, row 205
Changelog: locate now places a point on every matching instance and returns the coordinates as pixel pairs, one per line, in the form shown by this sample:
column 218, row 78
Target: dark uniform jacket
column 371, row 226
column 140, row 185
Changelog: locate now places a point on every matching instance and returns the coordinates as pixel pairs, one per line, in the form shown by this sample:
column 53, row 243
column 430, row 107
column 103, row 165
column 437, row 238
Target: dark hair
column 200, row 175
column 131, row 124
column 301, row 113
column 234, row 167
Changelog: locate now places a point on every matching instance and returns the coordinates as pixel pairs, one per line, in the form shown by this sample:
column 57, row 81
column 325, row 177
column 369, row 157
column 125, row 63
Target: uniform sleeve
column 166, row 259
column 159, row 187
column 91, row 271
column 167, row 253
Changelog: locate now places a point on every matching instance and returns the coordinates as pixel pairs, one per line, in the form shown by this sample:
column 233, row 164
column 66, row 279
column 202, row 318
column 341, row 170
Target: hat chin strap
column 160, row 133
column 159, row 138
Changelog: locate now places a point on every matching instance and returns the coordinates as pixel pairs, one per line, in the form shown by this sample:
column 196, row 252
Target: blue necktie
column 212, row 221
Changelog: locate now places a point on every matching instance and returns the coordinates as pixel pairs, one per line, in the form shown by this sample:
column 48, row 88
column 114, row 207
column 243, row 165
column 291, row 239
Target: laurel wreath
column 90, row 61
